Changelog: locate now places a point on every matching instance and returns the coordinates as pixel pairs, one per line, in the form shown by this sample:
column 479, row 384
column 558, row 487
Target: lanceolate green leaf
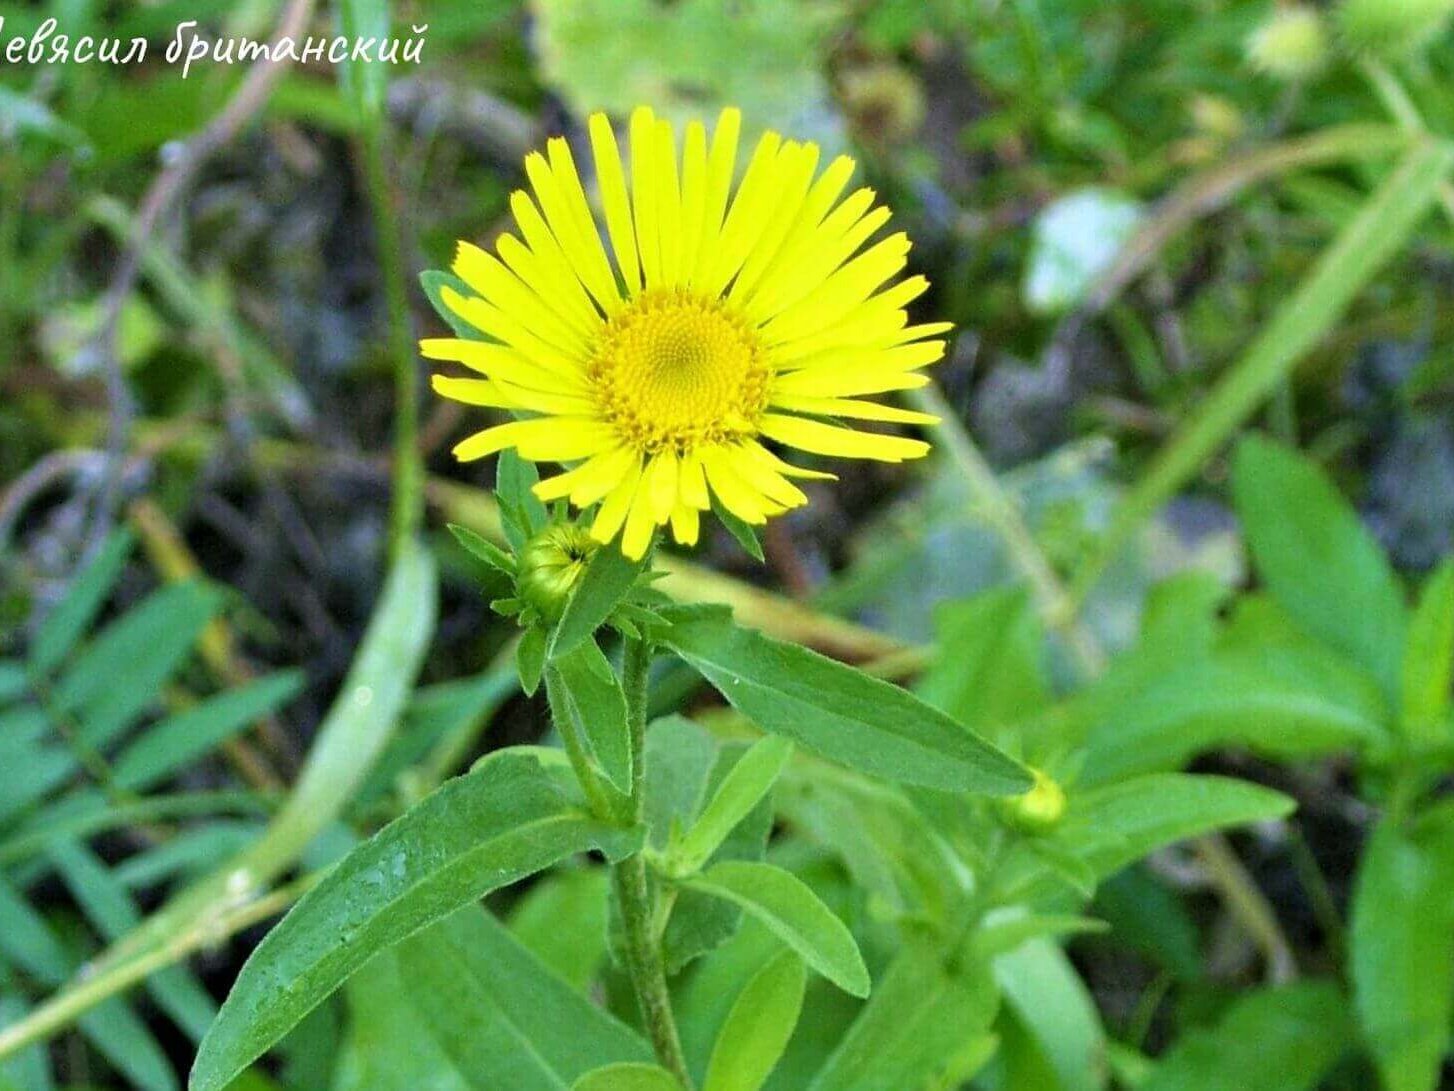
column 1402, row 948
column 1284, row 1038
column 70, row 619
column 840, row 712
column 1056, row 1012
column 1318, row 560
column 1428, row 663
column 607, row 579
column 119, row 673
column 500, row 1015
column 921, row 1015
column 794, row 914
column 1114, row 826
column 628, row 1076
column 179, row 739
column 741, row 789
column 758, row 1027
column 501, row 822
column 583, row 687
column 357, row 727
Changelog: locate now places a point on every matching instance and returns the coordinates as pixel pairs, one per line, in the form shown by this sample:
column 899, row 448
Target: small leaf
column 530, row 659
column 1055, row 1012
column 628, row 1076
column 111, row 683
column 523, row 514
column 840, row 712
column 1117, row 825
column 758, row 1027
column 434, row 281
column 609, row 578
column 1318, row 559
column 502, row 821
column 921, row 1015
column 740, row 791
column 790, row 909
column 585, row 691
column 1285, row 1038
column 484, row 550
column 185, row 736
column 70, row 619
column 745, row 533
column 1401, row 949
column 500, row 1015
column 1428, row 663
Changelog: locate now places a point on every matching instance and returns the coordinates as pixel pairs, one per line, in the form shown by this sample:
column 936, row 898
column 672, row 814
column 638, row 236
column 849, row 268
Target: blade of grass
column 1381, row 228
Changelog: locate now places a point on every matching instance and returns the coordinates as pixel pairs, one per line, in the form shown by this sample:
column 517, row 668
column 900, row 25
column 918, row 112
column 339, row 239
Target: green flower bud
column 1392, row 28
column 550, row 566
column 1291, row 45
column 1039, row 810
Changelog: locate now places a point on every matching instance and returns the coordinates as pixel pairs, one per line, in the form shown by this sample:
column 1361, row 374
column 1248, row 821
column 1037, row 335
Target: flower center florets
column 675, row 369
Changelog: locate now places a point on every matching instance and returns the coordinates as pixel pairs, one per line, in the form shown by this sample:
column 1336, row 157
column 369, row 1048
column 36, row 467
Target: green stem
column 633, row 888
column 407, row 510
column 599, row 799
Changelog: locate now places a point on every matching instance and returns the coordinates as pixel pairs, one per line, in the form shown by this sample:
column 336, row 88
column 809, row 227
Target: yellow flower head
column 723, row 318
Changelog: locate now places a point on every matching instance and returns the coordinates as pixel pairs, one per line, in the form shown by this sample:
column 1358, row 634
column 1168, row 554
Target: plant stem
column 633, row 889
column 407, row 510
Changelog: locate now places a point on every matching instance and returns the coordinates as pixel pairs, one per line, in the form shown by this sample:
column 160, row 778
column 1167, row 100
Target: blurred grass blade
column 78, row 609
column 364, row 82
column 109, row 907
column 1381, row 228
column 186, row 736
column 356, row 729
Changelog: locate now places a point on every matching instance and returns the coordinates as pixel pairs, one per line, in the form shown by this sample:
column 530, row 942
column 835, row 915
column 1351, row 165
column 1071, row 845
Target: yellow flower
column 723, row 319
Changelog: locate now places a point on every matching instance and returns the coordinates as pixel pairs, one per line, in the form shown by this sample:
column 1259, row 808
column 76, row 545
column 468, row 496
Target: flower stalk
column 633, row 889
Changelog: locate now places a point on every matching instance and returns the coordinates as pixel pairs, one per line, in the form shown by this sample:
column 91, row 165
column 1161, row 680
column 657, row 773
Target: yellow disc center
column 674, row 369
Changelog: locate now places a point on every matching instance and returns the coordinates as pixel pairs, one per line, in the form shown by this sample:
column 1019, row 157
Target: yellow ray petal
column 692, row 483
column 591, row 480
column 661, row 485
column 505, row 328
column 502, row 364
column 837, row 296
column 764, row 479
column 721, row 162
column 471, row 391
column 560, row 291
column 825, row 439
column 668, row 204
column 639, row 524
column 552, row 439
column 684, row 524
column 756, row 451
column 748, row 214
column 694, row 198
column 643, row 194
column 502, row 289
column 612, row 514
column 736, row 495
column 854, row 409
column 582, row 247
column 612, row 179
column 546, row 247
